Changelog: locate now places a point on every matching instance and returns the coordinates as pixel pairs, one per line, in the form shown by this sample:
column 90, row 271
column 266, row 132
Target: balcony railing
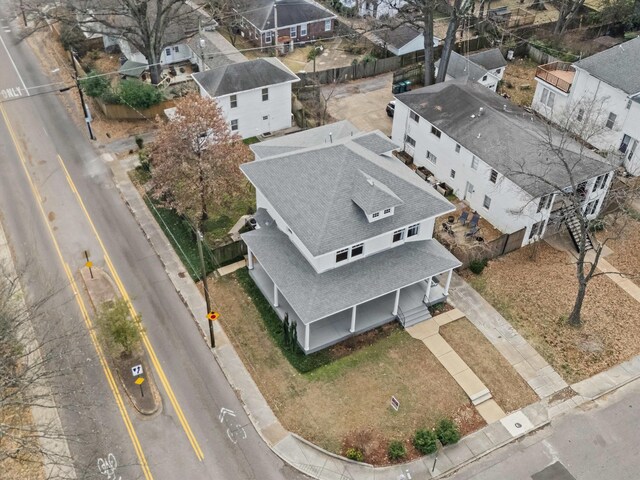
column 553, row 74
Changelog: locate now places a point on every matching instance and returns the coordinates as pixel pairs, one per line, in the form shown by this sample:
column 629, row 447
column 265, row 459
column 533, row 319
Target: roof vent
column 370, row 181
column 480, row 111
column 330, row 137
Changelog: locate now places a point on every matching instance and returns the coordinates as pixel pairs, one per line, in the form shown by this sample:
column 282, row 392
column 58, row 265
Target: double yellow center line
column 87, row 319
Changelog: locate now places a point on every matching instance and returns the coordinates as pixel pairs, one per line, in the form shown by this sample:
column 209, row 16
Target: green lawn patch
column 250, row 140
column 301, row 362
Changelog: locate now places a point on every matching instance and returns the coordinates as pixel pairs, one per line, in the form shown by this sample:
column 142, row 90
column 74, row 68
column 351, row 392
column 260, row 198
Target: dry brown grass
column 29, row 465
column 536, row 295
column 349, row 398
column 625, row 255
column 520, row 72
column 508, row 388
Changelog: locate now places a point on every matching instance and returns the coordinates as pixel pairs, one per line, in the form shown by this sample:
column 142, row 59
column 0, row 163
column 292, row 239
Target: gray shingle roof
column 399, row 37
column 371, row 195
column 304, row 139
column 489, row 59
column 506, row 137
column 290, row 12
column 312, row 191
column 217, row 51
column 618, row 66
column 376, row 142
column 316, row 295
column 462, row 68
column 239, row 77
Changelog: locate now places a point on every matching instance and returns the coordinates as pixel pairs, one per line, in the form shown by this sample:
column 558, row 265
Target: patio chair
column 474, row 221
column 473, row 232
column 463, row 217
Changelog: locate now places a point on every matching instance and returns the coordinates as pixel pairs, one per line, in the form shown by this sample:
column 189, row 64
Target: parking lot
column 362, row 102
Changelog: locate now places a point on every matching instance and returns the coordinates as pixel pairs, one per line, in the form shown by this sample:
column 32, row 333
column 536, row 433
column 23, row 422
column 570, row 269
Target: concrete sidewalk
column 320, row 464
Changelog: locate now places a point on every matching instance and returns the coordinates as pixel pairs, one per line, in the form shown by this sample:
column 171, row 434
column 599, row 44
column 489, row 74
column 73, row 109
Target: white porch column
column 249, row 259
column 446, row 287
column 275, row 295
column 396, row 303
column 353, row 319
column 306, row 337
column 428, row 292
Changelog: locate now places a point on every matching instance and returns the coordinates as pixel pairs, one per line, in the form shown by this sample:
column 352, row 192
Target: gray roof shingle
column 290, row 12
column 504, row 136
column 489, row 59
column 316, row 295
column 239, row 77
column 312, row 190
column 618, row 66
column 371, row 195
column 461, row 68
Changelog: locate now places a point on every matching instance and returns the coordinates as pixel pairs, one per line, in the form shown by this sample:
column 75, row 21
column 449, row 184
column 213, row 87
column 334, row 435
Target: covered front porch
column 407, row 304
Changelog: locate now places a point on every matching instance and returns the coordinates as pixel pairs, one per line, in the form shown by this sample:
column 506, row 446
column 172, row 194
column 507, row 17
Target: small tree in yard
column 138, row 94
column 558, row 171
column 118, row 328
column 94, row 84
column 195, row 160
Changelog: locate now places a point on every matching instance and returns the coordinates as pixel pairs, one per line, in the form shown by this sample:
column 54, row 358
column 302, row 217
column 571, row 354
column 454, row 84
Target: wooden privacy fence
column 124, row 112
column 505, row 243
column 230, row 251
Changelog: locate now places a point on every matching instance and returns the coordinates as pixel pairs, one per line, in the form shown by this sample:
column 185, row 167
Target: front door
column 266, row 124
column 468, row 191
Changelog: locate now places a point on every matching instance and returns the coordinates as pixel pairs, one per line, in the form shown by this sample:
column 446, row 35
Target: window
column 545, row 202
column 580, row 115
column 484, row 79
column 398, row 235
column 267, row 37
column 493, row 177
column 591, row 207
column 474, row 162
column 265, row 94
column 601, row 181
column 498, row 71
column 234, row 125
column 293, row 32
column 327, row 25
column 452, row 174
column 436, row 132
column 487, row 202
column 375, row 214
column 176, row 49
column 410, row 140
column 626, row 140
column 342, row 255
column 457, row 148
column 414, row 116
column 431, row 157
column 357, row 250
column 536, row 229
column 303, row 30
column 547, row 97
column 167, row 51
column 233, row 100
column 387, row 211
column 611, row 121
column 413, row 230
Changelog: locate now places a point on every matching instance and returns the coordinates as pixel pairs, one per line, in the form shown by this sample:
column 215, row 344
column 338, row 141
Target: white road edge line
column 14, row 65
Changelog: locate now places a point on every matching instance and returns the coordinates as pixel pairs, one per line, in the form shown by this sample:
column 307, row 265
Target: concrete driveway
column 362, row 102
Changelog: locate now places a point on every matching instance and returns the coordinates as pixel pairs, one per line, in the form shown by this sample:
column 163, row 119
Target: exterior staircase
column 415, row 315
column 573, row 225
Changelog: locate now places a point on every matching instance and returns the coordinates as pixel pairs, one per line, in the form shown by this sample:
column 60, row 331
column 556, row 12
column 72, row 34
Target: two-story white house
column 374, row 8
column 486, row 68
column 255, row 96
column 344, row 239
column 608, row 84
column 497, row 157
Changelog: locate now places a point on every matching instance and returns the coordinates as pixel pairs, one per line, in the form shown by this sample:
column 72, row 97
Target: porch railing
column 400, row 316
column 545, row 72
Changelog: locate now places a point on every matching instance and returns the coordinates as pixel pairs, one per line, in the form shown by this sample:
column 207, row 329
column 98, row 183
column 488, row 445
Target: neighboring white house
column 255, row 96
column 344, row 239
column 375, row 8
column 402, row 40
column 610, row 81
column 486, row 68
column 493, row 154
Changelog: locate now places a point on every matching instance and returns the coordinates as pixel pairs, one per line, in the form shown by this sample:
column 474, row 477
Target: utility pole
column 24, row 15
column 206, row 289
column 85, row 110
column 201, row 44
column 275, row 23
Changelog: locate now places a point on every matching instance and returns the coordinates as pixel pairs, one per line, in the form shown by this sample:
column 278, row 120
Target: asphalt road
column 595, row 442
column 186, row 440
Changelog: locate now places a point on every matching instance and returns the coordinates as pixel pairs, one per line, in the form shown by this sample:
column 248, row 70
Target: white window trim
column 304, row 30
column 293, row 32
column 327, row 25
column 475, row 162
column 237, row 125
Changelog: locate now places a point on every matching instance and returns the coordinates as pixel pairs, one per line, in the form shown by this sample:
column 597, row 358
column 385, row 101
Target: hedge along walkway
column 478, row 393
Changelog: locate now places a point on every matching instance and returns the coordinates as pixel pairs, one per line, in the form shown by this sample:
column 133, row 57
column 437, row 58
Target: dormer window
column 342, row 255
column 398, row 235
column 387, row 211
column 357, row 250
column 413, row 230
column 375, row 214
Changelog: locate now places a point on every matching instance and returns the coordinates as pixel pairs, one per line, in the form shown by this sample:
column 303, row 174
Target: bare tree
column 147, row 25
column 195, row 159
column 565, row 163
column 457, row 11
column 568, row 11
column 224, row 12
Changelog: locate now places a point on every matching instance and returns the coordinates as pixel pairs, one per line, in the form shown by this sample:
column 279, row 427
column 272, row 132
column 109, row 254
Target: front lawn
column 345, row 402
column 535, row 291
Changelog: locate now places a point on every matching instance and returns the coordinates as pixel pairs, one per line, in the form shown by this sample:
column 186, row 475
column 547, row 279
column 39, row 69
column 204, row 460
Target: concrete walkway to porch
column 428, row 333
